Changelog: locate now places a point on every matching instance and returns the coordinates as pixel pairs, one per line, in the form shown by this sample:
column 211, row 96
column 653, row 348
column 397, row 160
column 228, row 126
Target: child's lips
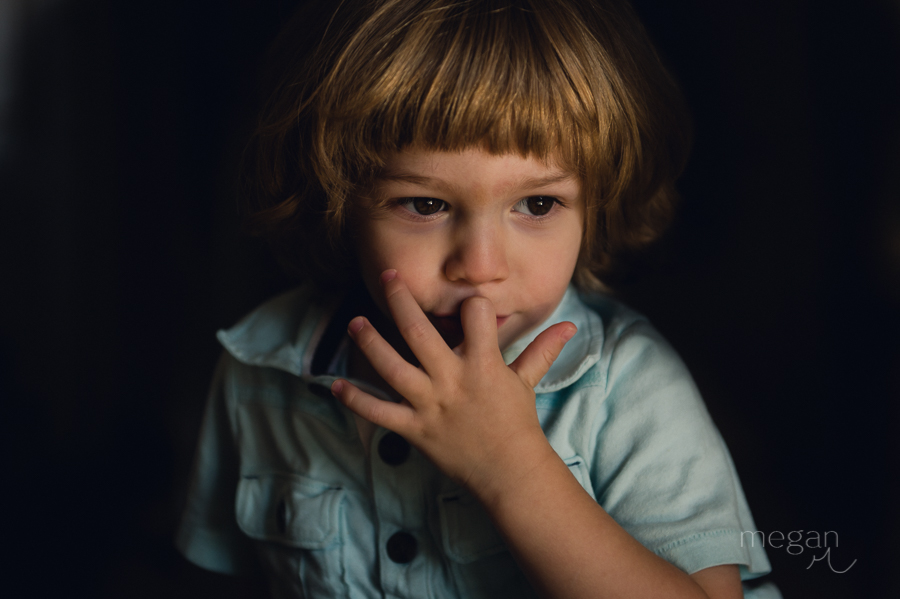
column 451, row 324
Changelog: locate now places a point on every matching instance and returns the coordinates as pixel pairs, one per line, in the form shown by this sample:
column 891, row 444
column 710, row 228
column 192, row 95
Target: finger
column 479, row 324
column 538, row 357
column 396, row 417
column 405, row 378
column 418, row 332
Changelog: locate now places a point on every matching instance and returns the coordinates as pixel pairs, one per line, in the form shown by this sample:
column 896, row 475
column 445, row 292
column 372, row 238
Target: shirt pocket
column 298, row 523
column 479, row 562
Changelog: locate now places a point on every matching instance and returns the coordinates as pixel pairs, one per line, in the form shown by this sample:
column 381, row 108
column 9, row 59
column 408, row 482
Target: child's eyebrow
column 449, row 187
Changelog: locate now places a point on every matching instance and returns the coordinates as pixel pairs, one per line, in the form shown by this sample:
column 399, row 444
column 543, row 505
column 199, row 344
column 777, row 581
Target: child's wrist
column 518, row 463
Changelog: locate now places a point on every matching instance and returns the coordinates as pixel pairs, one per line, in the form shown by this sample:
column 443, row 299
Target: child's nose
column 478, row 257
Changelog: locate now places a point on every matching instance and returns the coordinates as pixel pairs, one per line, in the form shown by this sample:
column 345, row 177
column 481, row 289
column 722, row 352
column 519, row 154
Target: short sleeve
column 208, row 534
column 661, row 468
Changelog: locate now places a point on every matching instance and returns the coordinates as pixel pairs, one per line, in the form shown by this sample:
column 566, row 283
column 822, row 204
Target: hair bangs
column 459, row 75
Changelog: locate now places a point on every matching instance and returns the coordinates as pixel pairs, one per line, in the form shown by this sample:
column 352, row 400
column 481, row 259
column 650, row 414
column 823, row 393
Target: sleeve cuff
column 716, row 548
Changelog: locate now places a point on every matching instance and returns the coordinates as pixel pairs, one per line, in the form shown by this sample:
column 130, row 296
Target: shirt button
column 402, row 547
column 393, row 449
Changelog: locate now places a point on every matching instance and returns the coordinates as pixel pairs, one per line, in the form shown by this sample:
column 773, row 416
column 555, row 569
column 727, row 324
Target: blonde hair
column 574, row 81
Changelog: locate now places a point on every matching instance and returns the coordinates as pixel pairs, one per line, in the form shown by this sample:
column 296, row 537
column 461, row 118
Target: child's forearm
column 567, row 545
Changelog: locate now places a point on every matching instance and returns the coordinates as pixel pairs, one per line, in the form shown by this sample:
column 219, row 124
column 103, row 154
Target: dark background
column 122, row 254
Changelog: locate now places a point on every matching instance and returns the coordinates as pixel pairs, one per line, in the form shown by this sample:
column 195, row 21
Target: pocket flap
column 289, row 509
column 466, row 530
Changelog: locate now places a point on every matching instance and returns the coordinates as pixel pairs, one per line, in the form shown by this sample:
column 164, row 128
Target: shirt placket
column 405, row 547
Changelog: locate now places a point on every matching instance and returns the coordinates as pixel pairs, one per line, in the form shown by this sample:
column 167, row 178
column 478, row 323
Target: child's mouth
column 450, row 327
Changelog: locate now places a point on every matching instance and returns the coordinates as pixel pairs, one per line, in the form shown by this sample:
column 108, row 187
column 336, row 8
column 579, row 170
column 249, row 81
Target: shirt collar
column 284, row 332
column 578, row 355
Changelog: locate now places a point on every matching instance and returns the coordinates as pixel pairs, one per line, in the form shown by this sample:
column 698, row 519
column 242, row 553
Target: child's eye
column 536, row 205
column 424, row 206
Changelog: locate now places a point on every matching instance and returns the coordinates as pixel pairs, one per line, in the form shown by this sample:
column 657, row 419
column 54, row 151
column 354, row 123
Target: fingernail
column 388, row 275
column 336, row 387
column 569, row 333
column 356, row 325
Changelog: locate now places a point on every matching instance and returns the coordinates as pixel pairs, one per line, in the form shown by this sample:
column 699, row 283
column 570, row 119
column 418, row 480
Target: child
column 439, row 411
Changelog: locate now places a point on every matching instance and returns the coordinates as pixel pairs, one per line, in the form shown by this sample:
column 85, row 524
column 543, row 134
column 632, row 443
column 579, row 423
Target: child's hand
column 465, row 409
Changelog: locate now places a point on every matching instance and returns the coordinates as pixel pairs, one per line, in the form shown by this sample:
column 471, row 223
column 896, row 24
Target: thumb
column 538, row 357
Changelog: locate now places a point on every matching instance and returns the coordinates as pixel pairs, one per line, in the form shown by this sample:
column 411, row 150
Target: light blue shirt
column 282, row 478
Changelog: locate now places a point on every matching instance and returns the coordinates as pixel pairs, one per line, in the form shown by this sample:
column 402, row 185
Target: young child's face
column 461, row 224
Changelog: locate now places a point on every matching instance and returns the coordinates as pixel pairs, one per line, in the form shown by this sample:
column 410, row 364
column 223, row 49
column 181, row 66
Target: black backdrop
column 122, row 254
